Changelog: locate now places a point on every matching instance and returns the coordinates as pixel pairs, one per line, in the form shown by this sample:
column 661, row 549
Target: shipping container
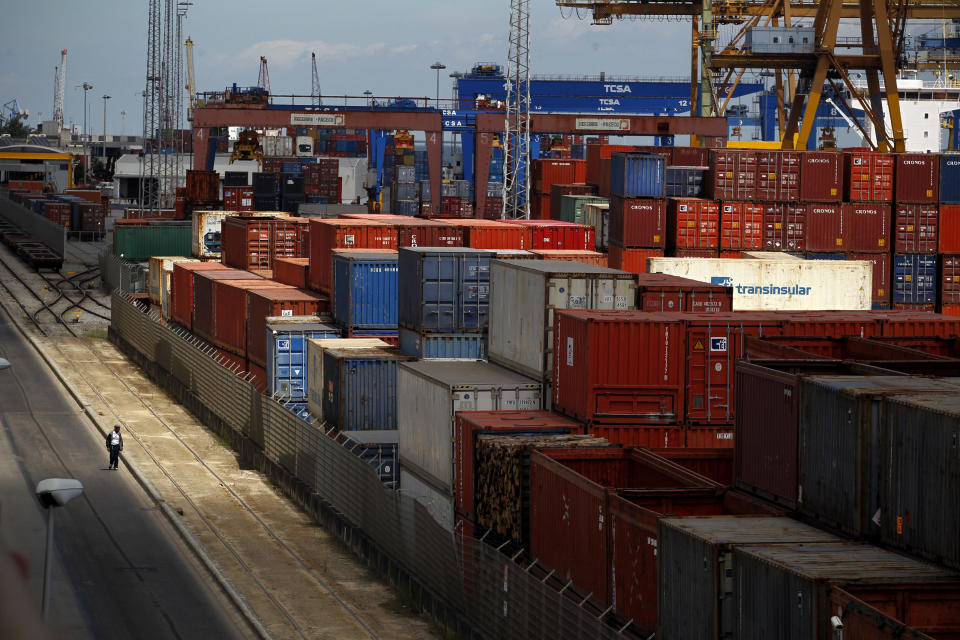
column 684, row 182
column 379, row 450
column 689, row 156
column 920, row 610
column 292, row 271
column 287, row 365
column 848, row 227
column 204, row 302
column 556, row 234
column 491, row 234
column 329, row 234
column 778, row 285
column 360, row 386
column 631, row 260
column 598, row 217
column 524, row 295
column 915, row 226
column 231, row 306
column 949, row 280
column 254, row 242
column 784, row 226
column 881, row 281
column 365, row 289
column 453, row 346
column 950, row 178
column 156, row 283
column 917, row 178
column 238, row 198
column 591, row 257
column 692, row 223
column 598, row 159
column 778, row 175
column 659, row 292
column 315, row 348
column 732, row 175
column 821, row 176
column 868, row 176
column 139, row 242
column 638, row 222
column 570, row 208
column 782, row 591
column 437, row 501
column 741, row 225
column 444, row 289
column 205, row 233
column 181, row 289
column 914, row 279
column 696, row 597
column 202, row 186
column 948, row 231
column 544, row 173
column 570, row 492
column 277, row 301
column 430, row 393
column 648, row 436
column 558, row 195
column 637, row 175
column 470, row 424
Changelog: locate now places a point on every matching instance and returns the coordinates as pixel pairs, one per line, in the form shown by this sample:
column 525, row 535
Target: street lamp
column 86, row 87
column 437, row 66
column 104, row 155
column 53, row 493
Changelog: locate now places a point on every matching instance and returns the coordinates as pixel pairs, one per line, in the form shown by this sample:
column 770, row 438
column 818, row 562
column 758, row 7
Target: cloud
column 285, row 54
column 404, row 48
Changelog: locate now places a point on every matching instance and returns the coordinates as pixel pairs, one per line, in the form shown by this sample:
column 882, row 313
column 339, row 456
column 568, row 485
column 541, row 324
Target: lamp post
column 437, row 66
column 53, row 493
column 86, row 87
column 104, row 154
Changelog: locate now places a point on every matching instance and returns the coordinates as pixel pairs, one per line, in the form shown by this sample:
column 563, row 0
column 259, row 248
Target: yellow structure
column 26, row 155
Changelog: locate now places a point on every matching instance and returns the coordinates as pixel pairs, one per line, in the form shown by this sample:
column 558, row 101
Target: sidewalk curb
column 171, row 514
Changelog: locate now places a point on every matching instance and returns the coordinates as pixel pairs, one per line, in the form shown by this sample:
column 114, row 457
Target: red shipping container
column 917, row 178
column 949, row 280
column 327, row 235
column 603, row 177
column 917, row 308
column 821, row 176
column 570, row 491
column 557, row 191
column 586, row 257
column 638, row 222
column 696, row 253
column 631, row 260
column 469, row 424
column 258, row 377
column 950, row 310
column 732, row 175
column 234, row 363
column 716, row 464
column 596, row 382
column 692, row 223
column 633, row 521
column 784, row 227
column 648, row 436
column 557, row 234
column 276, row 301
column 230, row 307
column 778, row 175
column 35, row 185
column 204, row 304
column 92, row 195
column 181, row 288
column 855, row 226
column 545, row 173
column 915, row 226
column 701, row 437
column 741, row 225
column 948, row 231
column 901, row 610
column 292, row 271
column 253, row 243
column 881, row 277
column 868, row 176
column 491, row 234
column 493, row 208
column 690, row 156
column 203, row 185
column 238, row 198
column 660, row 292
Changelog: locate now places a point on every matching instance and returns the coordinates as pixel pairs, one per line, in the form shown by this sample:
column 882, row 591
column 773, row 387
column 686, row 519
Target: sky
column 382, row 46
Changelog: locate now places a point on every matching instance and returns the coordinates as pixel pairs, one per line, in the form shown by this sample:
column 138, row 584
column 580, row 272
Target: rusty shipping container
column 203, row 185
column 917, row 178
column 292, row 271
column 732, row 175
column 491, row 234
column 778, row 175
column 741, row 225
column 692, row 223
column 658, row 292
column 181, row 288
column 821, row 176
column 915, row 226
column 868, row 176
column 784, row 226
column 638, row 222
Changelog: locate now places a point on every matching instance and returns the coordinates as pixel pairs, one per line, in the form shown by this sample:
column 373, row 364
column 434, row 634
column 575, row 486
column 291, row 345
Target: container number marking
column 578, row 302
column 569, row 352
column 285, row 313
column 725, row 436
column 283, row 345
column 621, row 302
column 718, row 344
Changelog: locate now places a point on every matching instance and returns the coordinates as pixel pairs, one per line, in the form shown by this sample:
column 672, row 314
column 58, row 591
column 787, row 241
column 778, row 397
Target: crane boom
column 191, row 90
column 314, row 81
column 59, row 85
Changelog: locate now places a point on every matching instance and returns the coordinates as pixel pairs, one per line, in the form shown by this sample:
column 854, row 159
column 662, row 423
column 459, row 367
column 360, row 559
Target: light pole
column 104, row 154
column 53, row 493
column 86, row 87
column 437, row 66
column 123, row 123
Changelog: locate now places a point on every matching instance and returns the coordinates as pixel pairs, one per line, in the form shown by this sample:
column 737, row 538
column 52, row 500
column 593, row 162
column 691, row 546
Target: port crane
column 59, row 85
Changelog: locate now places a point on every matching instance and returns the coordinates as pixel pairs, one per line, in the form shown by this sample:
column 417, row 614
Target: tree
column 16, row 127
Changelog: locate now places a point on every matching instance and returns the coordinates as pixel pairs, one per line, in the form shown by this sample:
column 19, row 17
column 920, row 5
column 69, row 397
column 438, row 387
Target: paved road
column 122, row 571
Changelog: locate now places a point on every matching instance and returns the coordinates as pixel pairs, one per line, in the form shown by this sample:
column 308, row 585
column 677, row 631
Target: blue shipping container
column 444, row 289
column 950, row 178
column 287, row 353
column 462, row 346
column 361, row 388
column 914, row 278
column 378, row 449
column 365, row 290
column 637, row 175
column 300, row 410
column 407, row 207
column 684, row 182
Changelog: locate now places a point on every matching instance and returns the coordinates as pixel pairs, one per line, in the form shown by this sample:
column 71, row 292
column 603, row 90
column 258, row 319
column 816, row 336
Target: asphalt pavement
column 121, row 570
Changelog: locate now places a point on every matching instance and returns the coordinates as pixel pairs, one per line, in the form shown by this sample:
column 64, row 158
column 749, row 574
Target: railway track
column 287, row 588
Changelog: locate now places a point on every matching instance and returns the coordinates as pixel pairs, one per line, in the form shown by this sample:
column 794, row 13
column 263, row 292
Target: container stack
column 365, row 292
column 917, row 196
column 570, row 214
column 404, row 191
column 266, row 190
column 638, row 210
column 948, row 234
column 544, row 173
column 286, row 362
column 322, row 181
column 455, row 200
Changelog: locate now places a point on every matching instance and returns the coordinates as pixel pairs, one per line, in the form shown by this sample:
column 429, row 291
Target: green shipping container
column 571, row 207
column 142, row 242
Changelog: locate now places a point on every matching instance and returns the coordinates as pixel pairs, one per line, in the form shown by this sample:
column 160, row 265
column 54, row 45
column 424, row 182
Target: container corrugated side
column 361, row 388
column 524, row 295
column 315, row 349
column 279, row 300
column 140, row 242
column 430, row 392
column 917, row 178
column 443, row 289
column 158, row 265
column 365, row 290
column 921, row 610
column 780, row 285
column 455, row 346
column 637, row 175
column 181, row 289
column 287, row 365
column 950, row 178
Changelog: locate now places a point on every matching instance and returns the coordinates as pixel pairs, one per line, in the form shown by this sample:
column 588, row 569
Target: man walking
column 114, row 446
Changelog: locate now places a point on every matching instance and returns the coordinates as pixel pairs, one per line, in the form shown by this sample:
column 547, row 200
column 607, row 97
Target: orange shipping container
column 741, row 225
column 292, row 271
column 230, row 304
column 490, row 234
column 587, row 257
column 949, row 228
column 631, row 260
column 276, row 301
column 868, row 176
column 329, row 234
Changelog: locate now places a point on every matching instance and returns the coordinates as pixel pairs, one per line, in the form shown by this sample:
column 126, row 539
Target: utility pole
column 437, row 66
column 86, row 87
column 104, row 154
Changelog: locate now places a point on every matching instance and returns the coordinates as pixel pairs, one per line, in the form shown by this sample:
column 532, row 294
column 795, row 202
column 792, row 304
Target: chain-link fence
column 465, row 583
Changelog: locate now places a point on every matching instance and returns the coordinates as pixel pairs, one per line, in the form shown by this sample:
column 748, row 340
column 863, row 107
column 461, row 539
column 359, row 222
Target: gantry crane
column 314, row 81
column 882, row 29
column 263, row 78
column 59, row 84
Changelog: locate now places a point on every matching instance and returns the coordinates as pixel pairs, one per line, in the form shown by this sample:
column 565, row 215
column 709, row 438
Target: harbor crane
column 59, row 85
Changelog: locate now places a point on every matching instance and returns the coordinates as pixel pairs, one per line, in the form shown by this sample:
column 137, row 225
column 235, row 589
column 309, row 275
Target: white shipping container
column 430, row 392
column 315, row 349
column 352, row 173
column 159, row 264
column 304, row 146
column 523, row 295
column 205, row 233
column 277, row 145
column 165, row 307
column 780, row 285
column 438, row 504
column 598, row 216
